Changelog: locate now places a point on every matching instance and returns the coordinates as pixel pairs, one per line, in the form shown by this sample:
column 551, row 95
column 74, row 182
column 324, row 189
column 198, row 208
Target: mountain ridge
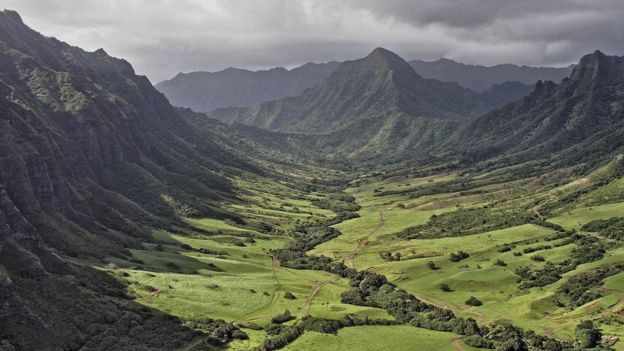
column 92, row 157
column 373, row 86
column 583, row 110
column 480, row 78
column 206, row 91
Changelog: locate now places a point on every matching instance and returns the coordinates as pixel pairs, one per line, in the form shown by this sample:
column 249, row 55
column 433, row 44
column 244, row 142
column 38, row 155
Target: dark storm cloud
column 163, row 37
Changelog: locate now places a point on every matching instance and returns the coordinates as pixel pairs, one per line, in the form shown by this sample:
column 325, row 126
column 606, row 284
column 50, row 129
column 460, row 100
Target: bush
column 586, row 335
column 282, row 318
column 479, row 342
column 500, row 262
column 473, row 301
column 289, row 296
column 458, row 256
column 445, row 287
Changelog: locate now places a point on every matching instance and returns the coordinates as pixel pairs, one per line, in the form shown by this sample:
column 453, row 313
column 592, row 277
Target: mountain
column 92, row 157
column 375, row 88
column 206, row 91
column 503, row 93
column 480, row 78
column 234, row 87
column 580, row 118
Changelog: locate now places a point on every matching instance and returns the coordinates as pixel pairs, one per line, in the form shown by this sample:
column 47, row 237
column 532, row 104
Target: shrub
column 586, row 335
column 500, row 262
column 289, row 296
column 282, row 318
column 473, row 301
column 458, row 256
column 432, row 265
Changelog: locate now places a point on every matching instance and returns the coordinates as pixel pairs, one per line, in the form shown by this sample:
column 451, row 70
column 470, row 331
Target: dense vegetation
column 467, row 222
column 583, row 288
column 588, row 249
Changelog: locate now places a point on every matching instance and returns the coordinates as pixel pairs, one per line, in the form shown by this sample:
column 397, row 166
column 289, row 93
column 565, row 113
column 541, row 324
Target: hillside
column 206, row 91
column 582, row 116
column 479, row 78
column 92, row 157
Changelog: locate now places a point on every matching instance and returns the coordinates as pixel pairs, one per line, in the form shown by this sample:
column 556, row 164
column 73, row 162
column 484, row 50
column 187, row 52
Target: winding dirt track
column 552, row 196
column 351, row 260
column 316, row 289
column 457, row 345
column 274, row 264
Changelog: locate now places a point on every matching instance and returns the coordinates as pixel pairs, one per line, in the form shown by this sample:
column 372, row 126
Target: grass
column 576, row 218
column 237, row 283
column 376, row 338
column 476, row 276
column 241, row 283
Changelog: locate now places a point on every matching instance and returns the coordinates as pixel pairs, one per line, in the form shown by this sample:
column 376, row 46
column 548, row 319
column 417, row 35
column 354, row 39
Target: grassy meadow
column 215, row 268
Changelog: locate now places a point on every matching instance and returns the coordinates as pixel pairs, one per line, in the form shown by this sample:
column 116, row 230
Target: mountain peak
column 383, row 54
column 379, row 51
column 384, row 58
column 598, row 64
column 12, row 14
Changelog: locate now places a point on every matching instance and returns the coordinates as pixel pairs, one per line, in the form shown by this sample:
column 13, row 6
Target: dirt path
column 612, row 308
column 456, row 344
column 194, row 343
column 274, row 265
column 316, row 289
column 551, row 195
column 154, row 294
column 351, row 260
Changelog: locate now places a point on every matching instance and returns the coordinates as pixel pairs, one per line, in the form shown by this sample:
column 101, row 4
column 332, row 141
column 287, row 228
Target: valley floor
column 408, row 226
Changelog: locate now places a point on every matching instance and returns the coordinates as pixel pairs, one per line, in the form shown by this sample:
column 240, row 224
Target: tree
column 586, row 335
column 445, row 287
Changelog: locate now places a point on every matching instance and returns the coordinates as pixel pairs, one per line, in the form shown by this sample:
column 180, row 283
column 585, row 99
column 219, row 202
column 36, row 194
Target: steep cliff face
column 87, row 151
column 583, row 116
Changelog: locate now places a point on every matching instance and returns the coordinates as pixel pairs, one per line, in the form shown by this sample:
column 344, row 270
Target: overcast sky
column 163, row 37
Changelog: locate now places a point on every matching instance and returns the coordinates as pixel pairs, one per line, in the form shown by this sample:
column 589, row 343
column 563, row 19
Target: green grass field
column 377, row 338
column 478, row 276
column 217, row 271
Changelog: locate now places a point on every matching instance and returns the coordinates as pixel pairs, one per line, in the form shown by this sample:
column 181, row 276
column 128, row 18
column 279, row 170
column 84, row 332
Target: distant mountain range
column 206, row 91
column 233, row 87
column 381, row 85
column 380, row 106
column 481, row 78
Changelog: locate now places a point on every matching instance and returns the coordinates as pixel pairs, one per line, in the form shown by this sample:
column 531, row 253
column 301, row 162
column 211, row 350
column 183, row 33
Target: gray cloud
column 163, row 37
